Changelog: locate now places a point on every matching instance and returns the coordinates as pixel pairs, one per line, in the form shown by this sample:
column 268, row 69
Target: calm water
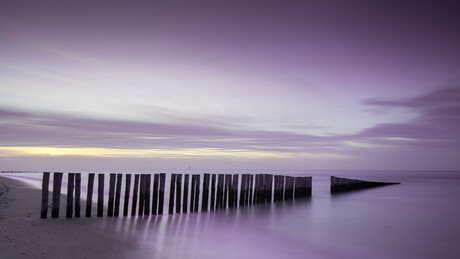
column 417, row 219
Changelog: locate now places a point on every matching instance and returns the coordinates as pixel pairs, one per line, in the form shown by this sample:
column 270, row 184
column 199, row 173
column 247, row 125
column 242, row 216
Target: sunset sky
column 229, row 84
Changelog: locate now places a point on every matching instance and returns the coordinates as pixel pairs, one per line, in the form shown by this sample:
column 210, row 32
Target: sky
column 318, row 85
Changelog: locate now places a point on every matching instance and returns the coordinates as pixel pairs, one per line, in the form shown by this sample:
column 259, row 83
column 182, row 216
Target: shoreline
column 23, row 234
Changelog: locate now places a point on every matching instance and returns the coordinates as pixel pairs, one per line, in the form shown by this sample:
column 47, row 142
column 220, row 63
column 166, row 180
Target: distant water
column 417, row 219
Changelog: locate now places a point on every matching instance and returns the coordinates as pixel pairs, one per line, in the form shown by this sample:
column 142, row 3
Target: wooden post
column 205, row 197
column 247, row 187
column 282, row 188
column 70, row 187
column 258, row 191
column 57, row 181
column 185, row 199
column 228, row 180
column 288, row 188
column 270, row 188
column 178, row 192
column 213, row 191
column 197, row 193
column 89, row 195
column 255, row 190
column 235, row 191
column 148, row 179
column 171, row 193
column 229, row 185
column 242, row 189
column 162, row 193
column 220, row 191
column 192, row 194
column 141, row 195
column 100, row 195
column 111, row 195
column 264, row 188
column 127, row 191
column 251, row 188
column 308, row 186
column 116, row 211
column 276, row 189
column 135, row 194
column 77, row 194
column 45, row 190
column 279, row 190
column 155, row 194
column 297, row 187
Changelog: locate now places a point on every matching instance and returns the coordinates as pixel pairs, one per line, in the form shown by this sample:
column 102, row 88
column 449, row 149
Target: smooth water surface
column 416, row 219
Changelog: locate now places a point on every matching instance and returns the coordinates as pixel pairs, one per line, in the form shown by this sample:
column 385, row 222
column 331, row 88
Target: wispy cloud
column 432, row 135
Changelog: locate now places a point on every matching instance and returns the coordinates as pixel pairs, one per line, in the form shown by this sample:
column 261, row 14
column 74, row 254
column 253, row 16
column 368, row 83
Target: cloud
column 26, row 129
column 438, row 120
column 433, row 137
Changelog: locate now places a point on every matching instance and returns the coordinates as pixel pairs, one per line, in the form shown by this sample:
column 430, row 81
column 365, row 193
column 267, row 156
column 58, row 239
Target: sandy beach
column 24, row 235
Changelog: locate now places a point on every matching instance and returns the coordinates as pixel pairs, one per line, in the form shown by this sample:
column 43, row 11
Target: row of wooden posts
column 219, row 192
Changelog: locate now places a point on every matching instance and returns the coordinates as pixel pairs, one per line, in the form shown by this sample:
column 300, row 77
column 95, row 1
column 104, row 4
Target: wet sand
column 23, row 234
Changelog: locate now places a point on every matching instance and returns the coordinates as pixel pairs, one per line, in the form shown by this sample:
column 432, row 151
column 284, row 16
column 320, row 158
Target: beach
column 23, row 234
column 416, row 219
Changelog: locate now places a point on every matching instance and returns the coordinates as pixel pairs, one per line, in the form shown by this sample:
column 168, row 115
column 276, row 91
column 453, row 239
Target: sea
column 419, row 218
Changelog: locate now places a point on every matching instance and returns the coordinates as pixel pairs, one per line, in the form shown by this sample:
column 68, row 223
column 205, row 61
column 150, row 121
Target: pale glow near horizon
column 155, row 153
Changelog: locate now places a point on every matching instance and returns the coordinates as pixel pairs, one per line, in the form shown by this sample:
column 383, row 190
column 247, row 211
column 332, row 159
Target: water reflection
column 417, row 219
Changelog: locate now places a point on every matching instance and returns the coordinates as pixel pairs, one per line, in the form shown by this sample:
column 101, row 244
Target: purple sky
column 230, row 84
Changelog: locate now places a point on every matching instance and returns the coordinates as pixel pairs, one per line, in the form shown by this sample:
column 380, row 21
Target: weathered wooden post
column 178, row 192
column 270, row 188
column 297, row 187
column 111, row 195
column 288, row 189
column 57, row 182
column 70, row 187
column 220, row 191
column 279, row 187
column 77, row 194
column 192, row 194
column 228, row 180
column 148, row 179
column 266, row 188
column 235, row 191
column 116, row 211
column 127, row 191
column 229, row 185
column 205, row 197
column 100, row 195
column 162, row 193
column 45, row 190
column 197, row 192
column 308, row 187
column 262, row 188
column 135, row 194
column 171, row 193
column 276, row 189
column 185, row 199
column 141, row 195
column 251, row 189
column 213, row 192
column 247, row 190
column 156, row 178
column 89, row 195
column 242, row 189
column 256, row 190
column 282, row 188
